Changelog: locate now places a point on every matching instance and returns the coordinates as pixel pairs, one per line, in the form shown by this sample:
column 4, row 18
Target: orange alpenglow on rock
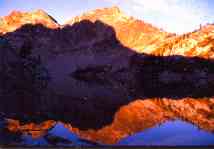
column 16, row 19
column 132, row 33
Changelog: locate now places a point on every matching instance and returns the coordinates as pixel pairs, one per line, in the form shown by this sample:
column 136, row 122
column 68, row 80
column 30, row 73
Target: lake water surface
column 171, row 133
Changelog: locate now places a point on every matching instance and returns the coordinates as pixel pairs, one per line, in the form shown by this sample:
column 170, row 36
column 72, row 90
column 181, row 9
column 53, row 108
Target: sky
column 178, row 16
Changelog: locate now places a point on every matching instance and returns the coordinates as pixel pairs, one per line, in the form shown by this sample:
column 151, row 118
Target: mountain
column 143, row 37
column 198, row 43
column 17, row 18
column 84, row 52
column 140, row 33
column 85, row 71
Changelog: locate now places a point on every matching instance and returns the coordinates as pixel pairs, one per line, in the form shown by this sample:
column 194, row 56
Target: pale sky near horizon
column 177, row 16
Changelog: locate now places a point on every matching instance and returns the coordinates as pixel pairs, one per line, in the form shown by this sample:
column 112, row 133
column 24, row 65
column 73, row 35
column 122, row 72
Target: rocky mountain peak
column 142, row 37
column 108, row 15
column 110, row 10
column 15, row 13
column 139, row 32
column 16, row 19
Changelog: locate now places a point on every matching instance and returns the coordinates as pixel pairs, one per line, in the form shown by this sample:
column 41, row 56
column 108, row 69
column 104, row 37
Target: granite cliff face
column 99, row 63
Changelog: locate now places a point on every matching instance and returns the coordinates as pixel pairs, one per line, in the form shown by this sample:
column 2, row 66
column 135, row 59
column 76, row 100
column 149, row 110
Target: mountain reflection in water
column 171, row 133
column 142, row 116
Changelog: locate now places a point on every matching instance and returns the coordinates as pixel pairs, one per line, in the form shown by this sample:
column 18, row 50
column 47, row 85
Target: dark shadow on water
column 86, row 82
